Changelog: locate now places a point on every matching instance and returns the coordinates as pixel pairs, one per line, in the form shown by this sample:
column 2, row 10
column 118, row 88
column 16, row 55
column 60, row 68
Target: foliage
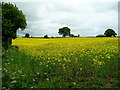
column 18, row 69
column 46, row 36
column 65, row 31
column 12, row 20
column 27, row 35
column 100, row 35
column 71, row 35
column 52, row 37
column 110, row 33
column 62, row 63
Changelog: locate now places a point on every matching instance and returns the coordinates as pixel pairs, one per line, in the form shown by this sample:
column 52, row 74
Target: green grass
column 19, row 71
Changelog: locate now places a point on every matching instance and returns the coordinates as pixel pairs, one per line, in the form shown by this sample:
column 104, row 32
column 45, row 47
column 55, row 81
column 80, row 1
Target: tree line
column 65, row 31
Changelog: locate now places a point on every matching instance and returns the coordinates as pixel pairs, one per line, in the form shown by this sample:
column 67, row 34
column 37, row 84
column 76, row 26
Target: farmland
column 62, row 63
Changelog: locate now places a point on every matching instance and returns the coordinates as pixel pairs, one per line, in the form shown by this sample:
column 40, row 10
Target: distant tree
column 46, row 36
column 12, row 20
column 27, row 35
column 65, row 31
column 110, row 33
column 71, row 35
column 100, row 35
column 78, row 35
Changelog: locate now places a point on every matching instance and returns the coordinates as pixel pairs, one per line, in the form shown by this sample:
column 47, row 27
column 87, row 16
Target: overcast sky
column 88, row 18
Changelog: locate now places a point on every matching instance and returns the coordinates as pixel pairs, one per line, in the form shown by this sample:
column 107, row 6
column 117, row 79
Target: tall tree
column 110, row 33
column 65, row 31
column 12, row 20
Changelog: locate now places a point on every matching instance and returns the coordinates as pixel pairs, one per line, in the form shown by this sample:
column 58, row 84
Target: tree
column 71, row 35
column 110, row 33
column 27, row 35
column 78, row 35
column 12, row 20
column 65, row 31
column 46, row 36
column 100, row 35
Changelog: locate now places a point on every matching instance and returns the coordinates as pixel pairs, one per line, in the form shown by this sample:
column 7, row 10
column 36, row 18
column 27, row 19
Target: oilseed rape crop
column 70, row 62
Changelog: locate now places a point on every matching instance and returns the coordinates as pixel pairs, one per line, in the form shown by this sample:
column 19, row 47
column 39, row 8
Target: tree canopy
column 27, row 35
column 110, row 33
column 46, row 36
column 12, row 20
column 65, row 31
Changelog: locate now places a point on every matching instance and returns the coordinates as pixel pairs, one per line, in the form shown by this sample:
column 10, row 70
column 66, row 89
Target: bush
column 100, row 35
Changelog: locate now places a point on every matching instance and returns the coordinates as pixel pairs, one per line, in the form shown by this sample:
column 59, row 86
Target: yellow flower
column 80, row 69
column 74, row 83
column 99, row 63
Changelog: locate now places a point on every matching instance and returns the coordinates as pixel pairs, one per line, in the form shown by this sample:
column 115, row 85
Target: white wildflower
column 31, row 87
column 23, row 75
column 45, row 73
column 33, row 79
column 37, row 73
column 14, row 81
column 47, row 79
column 3, row 87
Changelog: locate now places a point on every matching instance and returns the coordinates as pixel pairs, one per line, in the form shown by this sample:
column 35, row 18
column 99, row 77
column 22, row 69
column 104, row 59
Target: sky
column 84, row 17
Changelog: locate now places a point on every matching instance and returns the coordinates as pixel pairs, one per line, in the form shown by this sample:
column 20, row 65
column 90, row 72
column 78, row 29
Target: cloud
column 84, row 18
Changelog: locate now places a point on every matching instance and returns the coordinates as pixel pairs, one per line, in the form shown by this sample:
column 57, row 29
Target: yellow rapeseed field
column 69, row 49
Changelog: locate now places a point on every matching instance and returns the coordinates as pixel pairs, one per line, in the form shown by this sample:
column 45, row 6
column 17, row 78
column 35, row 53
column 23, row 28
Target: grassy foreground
column 61, row 63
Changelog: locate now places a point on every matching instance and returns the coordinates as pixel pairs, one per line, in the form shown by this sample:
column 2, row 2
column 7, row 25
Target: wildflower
column 80, row 69
column 108, row 56
column 58, row 60
column 63, row 67
column 65, row 59
column 74, row 83
column 45, row 73
column 23, row 75
column 94, row 60
column 38, row 73
column 6, row 70
column 46, row 65
column 33, row 79
column 19, row 71
column 47, row 79
column 31, row 87
column 3, row 87
column 99, row 63
column 14, row 81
